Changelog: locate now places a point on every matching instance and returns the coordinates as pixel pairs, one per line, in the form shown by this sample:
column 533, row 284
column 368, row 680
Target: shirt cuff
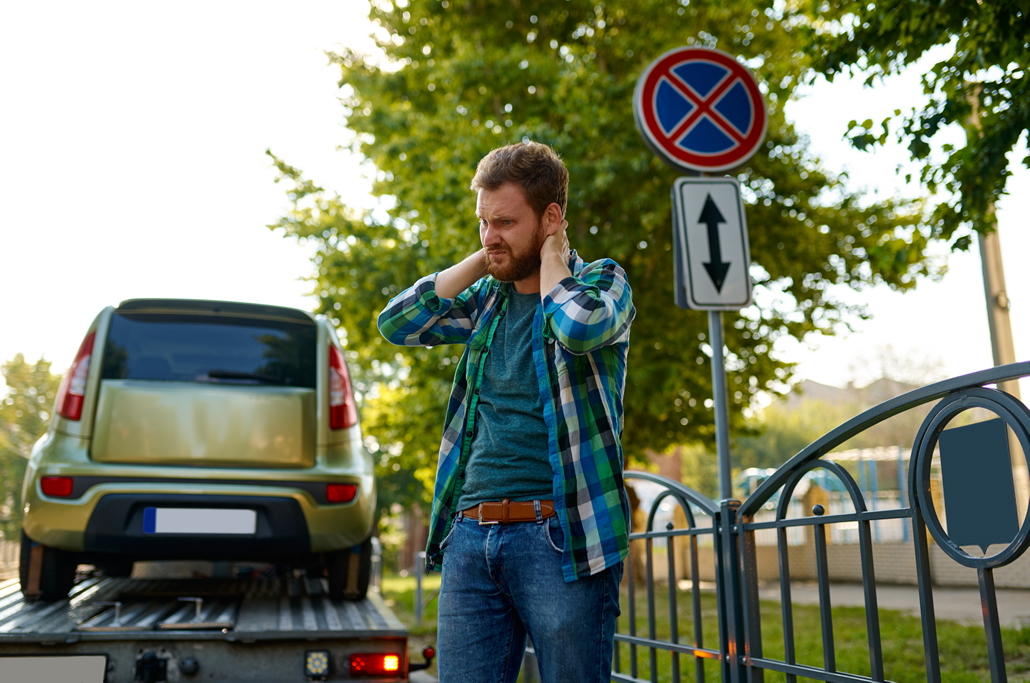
column 425, row 288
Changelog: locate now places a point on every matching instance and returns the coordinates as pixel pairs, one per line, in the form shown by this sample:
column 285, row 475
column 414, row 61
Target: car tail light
column 73, row 387
column 375, row 663
column 342, row 411
column 56, row 487
column 340, row 493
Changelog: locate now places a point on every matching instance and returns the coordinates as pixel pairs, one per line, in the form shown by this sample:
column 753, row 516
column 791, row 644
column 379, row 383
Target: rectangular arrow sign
column 712, row 258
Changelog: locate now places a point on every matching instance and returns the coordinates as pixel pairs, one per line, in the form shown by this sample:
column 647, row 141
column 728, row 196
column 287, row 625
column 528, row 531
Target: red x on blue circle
column 700, row 109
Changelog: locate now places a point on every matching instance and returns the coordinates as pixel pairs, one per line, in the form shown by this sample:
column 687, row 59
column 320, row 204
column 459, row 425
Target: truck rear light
column 340, row 493
column 342, row 411
column 73, row 387
column 56, row 487
column 374, row 664
column 317, row 665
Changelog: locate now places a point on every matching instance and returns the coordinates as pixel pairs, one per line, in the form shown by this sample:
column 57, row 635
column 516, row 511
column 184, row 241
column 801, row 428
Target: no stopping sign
column 699, row 109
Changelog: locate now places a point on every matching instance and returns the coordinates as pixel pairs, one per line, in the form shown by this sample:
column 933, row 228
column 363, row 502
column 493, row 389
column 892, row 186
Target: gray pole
column 722, row 424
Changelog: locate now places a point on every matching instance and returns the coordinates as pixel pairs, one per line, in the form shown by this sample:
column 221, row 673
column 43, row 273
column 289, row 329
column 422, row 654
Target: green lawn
column 963, row 650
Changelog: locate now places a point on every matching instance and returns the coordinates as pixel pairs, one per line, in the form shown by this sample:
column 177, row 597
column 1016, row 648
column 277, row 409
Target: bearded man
column 530, row 519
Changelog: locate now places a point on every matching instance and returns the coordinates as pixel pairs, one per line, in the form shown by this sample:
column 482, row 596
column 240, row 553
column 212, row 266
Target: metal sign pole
column 721, row 407
column 698, row 128
column 722, row 425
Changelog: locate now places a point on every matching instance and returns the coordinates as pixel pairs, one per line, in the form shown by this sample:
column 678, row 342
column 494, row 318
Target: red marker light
column 374, row 664
column 340, row 493
column 56, row 487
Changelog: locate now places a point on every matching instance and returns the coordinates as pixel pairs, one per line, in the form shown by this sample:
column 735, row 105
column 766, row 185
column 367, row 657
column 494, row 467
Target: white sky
column 133, row 135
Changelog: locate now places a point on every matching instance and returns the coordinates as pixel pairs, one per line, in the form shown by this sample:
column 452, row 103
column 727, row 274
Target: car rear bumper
column 117, row 527
column 87, row 521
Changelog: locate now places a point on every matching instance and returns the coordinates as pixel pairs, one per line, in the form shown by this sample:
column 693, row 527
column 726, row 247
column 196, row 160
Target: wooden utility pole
column 1002, row 347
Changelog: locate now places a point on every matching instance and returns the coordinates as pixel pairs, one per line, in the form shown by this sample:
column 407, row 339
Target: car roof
column 207, row 306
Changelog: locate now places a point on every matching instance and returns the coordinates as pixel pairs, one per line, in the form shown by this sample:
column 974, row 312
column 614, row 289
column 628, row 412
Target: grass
column 963, row 649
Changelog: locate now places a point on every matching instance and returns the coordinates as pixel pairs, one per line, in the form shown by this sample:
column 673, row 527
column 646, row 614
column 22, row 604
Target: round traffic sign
column 700, row 109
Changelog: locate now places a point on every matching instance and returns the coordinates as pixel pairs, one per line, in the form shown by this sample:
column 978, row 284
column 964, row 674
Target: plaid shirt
column 580, row 339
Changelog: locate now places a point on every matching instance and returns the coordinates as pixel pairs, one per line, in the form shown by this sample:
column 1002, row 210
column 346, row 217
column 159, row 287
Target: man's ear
column 552, row 218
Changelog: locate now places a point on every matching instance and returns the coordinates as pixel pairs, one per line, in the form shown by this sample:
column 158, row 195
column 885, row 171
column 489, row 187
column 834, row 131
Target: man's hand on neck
column 554, row 258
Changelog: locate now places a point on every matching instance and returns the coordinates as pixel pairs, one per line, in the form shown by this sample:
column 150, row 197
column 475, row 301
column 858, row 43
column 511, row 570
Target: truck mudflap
column 231, row 630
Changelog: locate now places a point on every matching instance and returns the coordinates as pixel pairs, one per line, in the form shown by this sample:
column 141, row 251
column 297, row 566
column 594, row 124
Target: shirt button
column 468, row 433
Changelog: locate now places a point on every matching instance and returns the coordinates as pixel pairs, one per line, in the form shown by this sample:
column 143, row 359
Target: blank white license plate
column 198, row 521
column 72, row 669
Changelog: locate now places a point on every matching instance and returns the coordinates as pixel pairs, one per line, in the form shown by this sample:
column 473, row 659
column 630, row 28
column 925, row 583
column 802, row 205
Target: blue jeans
column 504, row 581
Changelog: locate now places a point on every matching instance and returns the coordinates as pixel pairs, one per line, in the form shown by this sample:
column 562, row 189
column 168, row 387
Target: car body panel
column 194, row 441
column 183, row 423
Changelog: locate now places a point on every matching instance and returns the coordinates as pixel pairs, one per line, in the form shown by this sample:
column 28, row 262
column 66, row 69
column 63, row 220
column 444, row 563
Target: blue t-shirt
column 508, row 458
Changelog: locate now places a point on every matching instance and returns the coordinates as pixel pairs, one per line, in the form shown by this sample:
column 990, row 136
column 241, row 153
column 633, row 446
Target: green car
column 201, row 430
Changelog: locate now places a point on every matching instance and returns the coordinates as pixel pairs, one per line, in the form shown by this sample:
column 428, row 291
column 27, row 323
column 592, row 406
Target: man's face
column 510, row 232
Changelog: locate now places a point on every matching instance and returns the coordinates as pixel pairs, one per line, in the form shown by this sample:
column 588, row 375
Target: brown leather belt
column 505, row 511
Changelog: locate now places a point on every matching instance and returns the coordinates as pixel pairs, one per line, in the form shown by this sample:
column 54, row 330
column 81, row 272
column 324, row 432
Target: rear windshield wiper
column 233, row 374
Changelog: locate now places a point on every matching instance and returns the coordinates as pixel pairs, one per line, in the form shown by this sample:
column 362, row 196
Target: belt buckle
column 483, row 523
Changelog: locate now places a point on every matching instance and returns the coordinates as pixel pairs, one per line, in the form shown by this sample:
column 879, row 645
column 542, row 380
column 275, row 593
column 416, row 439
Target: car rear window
column 204, row 348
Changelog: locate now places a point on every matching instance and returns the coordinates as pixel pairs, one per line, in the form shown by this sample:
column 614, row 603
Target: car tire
column 349, row 571
column 56, row 571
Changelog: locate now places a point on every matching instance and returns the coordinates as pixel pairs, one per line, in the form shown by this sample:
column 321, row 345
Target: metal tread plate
column 181, row 609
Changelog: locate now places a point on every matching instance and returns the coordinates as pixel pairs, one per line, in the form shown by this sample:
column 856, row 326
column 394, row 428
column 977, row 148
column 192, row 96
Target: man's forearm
column 459, row 277
column 554, row 268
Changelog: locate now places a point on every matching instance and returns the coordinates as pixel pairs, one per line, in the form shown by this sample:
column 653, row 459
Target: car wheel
column 349, row 571
column 45, row 573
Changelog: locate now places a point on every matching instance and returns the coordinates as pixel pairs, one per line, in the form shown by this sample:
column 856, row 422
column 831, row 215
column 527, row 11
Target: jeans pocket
column 554, row 535
column 450, row 534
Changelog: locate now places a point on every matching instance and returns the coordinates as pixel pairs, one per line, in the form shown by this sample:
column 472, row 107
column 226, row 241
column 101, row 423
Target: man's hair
column 534, row 167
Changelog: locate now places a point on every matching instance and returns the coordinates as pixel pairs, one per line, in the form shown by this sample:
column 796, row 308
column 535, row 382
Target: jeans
column 503, row 582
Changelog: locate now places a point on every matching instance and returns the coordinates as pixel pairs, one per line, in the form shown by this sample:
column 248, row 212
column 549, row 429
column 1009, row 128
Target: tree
column 24, row 415
column 780, row 431
column 980, row 84
column 456, row 79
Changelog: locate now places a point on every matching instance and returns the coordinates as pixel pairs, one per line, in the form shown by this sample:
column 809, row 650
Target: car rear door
column 208, row 388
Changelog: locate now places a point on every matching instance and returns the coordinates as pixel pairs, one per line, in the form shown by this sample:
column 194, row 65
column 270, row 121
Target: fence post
column 376, row 576
column 751, row 629
column 420, row 565
column 730, row 607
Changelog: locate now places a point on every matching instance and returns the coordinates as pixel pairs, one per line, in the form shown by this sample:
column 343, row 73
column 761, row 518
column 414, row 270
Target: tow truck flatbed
column 229, row 630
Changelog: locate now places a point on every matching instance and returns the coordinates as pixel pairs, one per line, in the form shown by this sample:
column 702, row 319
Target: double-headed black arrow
column 716, row 267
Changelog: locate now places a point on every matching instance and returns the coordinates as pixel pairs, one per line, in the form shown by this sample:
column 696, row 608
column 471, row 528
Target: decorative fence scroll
column 977, row 479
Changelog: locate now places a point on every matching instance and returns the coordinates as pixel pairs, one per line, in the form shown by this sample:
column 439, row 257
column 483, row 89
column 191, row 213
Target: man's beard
column 521, row 265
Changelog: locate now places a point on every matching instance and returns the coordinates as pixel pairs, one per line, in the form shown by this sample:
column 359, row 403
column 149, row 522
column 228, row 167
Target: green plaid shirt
column 580, row 341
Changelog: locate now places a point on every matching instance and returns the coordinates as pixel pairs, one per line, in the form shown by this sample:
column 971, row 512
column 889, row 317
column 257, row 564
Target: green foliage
column 779, row 432
column 24, row 415
column 454, row 80
column 980, row 85
column 699, row 468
